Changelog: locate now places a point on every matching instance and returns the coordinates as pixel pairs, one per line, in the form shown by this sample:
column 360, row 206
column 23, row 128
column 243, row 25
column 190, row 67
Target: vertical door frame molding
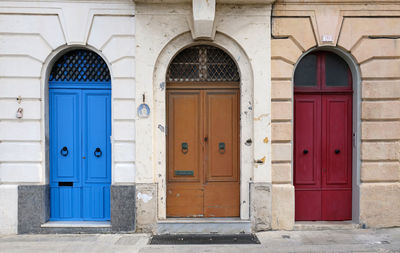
column 356, row 117
column 45, row 120
column 232, row 48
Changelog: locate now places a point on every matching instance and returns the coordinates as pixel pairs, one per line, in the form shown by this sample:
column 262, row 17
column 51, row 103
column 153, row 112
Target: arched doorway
column 323, row 96
column 203, row 169
column 80, row 130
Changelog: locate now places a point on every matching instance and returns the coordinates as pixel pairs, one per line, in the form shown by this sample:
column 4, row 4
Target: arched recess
column 355, row 141
column 78, row 131
column 203, row 88
column 44, row 90
column 246, row 116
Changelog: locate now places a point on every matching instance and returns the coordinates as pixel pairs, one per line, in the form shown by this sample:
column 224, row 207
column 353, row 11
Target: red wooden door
column 307, row 158
column 336, row 156
column 322, row 142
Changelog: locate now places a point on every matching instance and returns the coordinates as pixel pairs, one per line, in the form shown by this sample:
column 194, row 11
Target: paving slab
column 354, row 241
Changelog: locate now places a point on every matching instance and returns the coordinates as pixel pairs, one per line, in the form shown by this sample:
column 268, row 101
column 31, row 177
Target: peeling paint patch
column 145, row 197
column 248, row 142
column 266, row 140
column 161, row 128
column 260, row 161
column 162, row 86
column 261, row 116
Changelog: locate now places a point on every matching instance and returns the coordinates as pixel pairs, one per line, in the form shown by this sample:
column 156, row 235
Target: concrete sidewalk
column 357, row 240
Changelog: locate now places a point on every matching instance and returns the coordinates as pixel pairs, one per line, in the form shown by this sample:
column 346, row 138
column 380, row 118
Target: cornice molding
column 218, row 1
column 303, row 2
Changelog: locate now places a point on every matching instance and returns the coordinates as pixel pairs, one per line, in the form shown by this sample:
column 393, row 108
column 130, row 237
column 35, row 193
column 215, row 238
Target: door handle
column 221, row 147
column 97, row 152
column 305, row 151
column 185, row 147
column 64, row 151
column 337, row 151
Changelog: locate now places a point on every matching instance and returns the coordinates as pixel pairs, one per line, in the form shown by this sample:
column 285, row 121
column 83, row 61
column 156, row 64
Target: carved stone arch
column 232, row 48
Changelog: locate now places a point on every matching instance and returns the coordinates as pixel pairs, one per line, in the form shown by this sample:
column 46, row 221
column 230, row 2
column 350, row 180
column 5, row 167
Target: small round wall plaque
column 143, row 111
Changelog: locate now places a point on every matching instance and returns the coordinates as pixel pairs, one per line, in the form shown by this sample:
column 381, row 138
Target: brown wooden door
column 203, row 153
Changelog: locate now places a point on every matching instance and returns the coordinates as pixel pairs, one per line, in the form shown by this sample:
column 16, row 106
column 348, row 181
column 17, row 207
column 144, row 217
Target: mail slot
column 184, row 173
column 65, row 183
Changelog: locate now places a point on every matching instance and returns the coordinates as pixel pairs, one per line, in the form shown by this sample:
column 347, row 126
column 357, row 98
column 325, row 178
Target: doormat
column 204, row 239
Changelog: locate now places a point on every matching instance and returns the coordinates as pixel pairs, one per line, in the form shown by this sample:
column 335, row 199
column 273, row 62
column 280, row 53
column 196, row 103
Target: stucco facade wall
column 368, row 35
column 32, row 35
column 243, row 32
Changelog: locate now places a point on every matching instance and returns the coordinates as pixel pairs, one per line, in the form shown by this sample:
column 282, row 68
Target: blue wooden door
column 96, row 148
column 80, row 153
column 80, row 130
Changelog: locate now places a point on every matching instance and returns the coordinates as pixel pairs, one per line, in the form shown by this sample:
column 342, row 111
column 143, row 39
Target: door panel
column 184, row 112
column 222, row 199
column 307, row 176
column 222, row 132
column 307, row 141
column 207, row 121
column 308, row 205
column 65, row 132
column 336, row 204
column 221, row 188
column 96, row 139
column 337, row 140
column 185, row 200
column 184, row 189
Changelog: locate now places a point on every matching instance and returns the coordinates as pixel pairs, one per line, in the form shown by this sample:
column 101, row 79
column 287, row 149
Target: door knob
column 337, row 151
column 305, row 151
column 64, row 151
column 97, row 152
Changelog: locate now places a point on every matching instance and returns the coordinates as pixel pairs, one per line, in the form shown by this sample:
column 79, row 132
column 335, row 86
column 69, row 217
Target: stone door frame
column 246, row 115
column 356, row 145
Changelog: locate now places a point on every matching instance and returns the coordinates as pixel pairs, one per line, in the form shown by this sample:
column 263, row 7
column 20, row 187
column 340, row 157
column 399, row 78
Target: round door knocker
column 221, row 147
column 64, row 151
column 185, row 147
column 97, row 152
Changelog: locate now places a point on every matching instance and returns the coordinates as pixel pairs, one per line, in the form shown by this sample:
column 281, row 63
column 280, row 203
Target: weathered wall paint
column 163, row 30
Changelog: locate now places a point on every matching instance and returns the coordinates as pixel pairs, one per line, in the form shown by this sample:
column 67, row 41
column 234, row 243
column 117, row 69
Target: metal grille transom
column 80, row 66
column 203, row 64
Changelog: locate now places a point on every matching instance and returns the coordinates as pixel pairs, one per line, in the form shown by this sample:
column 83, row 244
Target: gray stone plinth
column 33, row 207
column 123, row 209
column 260, row 205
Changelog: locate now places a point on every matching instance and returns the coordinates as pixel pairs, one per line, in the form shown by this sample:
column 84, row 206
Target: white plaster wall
column 32, row 35
column 9, row 211
column 162, row 30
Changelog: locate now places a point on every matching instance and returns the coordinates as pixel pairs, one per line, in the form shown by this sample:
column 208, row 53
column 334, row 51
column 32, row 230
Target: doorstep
column 324, row 225
column 76, row 227
column 203, row 226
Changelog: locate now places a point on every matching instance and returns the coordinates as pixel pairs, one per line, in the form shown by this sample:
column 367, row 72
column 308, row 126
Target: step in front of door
column 76, row 227
column 203, row 226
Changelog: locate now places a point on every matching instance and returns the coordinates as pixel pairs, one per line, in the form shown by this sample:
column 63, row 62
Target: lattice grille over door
column 80, row 66
column 203, row 64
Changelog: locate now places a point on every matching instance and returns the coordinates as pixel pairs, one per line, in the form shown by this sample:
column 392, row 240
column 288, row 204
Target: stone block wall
column 369, row 34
